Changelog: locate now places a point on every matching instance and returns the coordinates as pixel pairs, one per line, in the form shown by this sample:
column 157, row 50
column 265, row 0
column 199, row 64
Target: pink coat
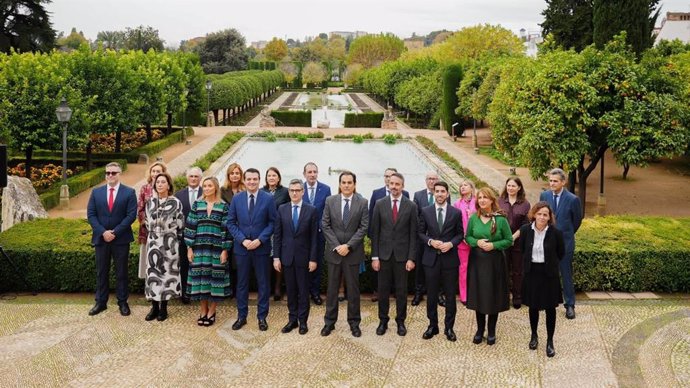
column 466, row 209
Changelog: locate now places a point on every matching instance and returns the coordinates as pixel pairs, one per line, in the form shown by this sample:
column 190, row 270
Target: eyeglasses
column 113, row 173
column 295, row 190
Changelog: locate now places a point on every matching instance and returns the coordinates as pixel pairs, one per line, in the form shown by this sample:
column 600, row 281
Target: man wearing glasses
column 111, row 211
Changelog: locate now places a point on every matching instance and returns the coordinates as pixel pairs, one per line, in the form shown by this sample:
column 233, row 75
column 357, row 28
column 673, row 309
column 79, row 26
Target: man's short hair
column 559, row 172
column 391, row 169
column 442, row 184
column 114, row 164
column 194, row 169
column 252, row 170
column 350, row 173
column 295, row 182
column 309, row 164
column 399, row 175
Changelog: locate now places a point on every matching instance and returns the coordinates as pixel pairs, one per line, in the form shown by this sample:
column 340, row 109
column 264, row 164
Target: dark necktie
column 311, row 195
column 440, row 219
column 395, row 210
column 431, row 198
column 111, row 199
column 555, row 201
column 295, row 216
column 251, row 205
column 346, row 211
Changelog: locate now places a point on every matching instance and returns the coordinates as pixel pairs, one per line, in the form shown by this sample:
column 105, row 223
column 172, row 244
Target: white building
column 676, row 25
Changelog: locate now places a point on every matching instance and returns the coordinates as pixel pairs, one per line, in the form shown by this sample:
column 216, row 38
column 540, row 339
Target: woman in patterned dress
column 145, row 193
column 208, row 243
column 234, row 183
column 165, row 223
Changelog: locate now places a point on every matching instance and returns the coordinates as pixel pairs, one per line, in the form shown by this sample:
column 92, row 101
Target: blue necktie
column 346, row 212
column 295, row 216
column 251, row 205
column 555, row 202
column 311, row 195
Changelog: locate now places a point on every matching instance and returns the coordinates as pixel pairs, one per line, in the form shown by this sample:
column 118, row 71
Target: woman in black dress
column 542, row 249
column 280, row 196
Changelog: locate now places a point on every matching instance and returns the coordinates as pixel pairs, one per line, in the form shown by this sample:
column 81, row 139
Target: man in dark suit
column 568, row 210
column 250, row 221
column 111, row 211
column 440, row 228
column 315, row 194
column 187, row 196
column 393, row 250
column 375, row 196
column 345, row 221
column 294, row 253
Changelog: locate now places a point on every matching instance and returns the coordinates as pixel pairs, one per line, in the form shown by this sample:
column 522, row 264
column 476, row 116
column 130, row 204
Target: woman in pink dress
column 466, row 205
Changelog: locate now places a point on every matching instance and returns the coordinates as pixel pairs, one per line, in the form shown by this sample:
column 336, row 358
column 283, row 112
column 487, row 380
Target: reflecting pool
column 336, row 107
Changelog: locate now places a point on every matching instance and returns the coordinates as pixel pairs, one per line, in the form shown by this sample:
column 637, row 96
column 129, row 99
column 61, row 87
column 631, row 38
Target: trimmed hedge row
column 292, row 118
column 211, row 156
column 55, row 255
column 363, row 120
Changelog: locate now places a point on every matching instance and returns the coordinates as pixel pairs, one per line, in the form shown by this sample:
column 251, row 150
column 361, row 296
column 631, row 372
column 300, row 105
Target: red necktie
column 395, row 210
column 111, row 199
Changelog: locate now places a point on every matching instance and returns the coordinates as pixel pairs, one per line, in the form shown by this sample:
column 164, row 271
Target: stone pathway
column 49, row 340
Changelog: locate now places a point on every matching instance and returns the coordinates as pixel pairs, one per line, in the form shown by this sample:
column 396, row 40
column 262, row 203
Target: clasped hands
column 251, row 244
column 223, row 256
column 278, row 267
column 485, row 245
column 376, row 265
column 108, row 236
column 440, row 245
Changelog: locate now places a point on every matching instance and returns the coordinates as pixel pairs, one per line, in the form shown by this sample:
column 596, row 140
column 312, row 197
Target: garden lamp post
column 474, row 136
column 208, row 101
column 64, row 114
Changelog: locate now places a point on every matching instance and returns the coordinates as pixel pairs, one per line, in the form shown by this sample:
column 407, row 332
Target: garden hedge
column 292, row 118
column 613, row 253
column 363, row 120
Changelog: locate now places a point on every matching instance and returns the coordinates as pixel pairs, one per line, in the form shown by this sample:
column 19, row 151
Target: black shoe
column 124, row 309
column 375, row 296
column 402, row 330
column 98, row 308
column 277, row 297
column 570, row 312
column 533, row 342
column 163, row 313
column 327, row 329
column 418, row 298
column 490, row 340
column 185, row 300
column 356, row 331
column 211, row 320
column 263, row 325
column 430, row 332
column 201, row 321
column 517, row 306
column 450, row 335
column 239, row 323
column 442, row 300
column 550, row 351
column 316, row 298
column 153, row 313
column 478, row 338
column 341, row 298
column 289, row 327
column 381, row 330
column 303, row 328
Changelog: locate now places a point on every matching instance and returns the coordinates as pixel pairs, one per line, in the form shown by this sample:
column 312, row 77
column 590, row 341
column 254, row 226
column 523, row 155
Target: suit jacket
column 259, row 226
column 421, row 199
column 568, row 215
column 322, row 192
column 375, row 196
column 452, row 231
column 337, row 233
column 280, row 196
column 119, row 220
column 394, row 239
column 183, row 196
column 296, row 246
column 554, row 248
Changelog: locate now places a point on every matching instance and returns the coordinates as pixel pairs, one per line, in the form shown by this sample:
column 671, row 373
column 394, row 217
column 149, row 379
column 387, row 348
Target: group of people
column 202, row 242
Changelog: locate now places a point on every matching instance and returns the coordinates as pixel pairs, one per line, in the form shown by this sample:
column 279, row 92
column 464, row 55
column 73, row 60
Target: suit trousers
column 119, row 253
column 566, row 266
column 184, row 267
column 447, row 278
column 391, row 273
column 419, row 277
column 297, row 288
column 261, row 265
column 351, row 274
column 315, row 277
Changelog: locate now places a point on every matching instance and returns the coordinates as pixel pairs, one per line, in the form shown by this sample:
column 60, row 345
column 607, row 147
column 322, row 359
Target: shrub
column 363, row 120
column 390, row 138
column 451, row 161
column 292, row 118
column 358, row 139
column 450, row 82
column 211, row 156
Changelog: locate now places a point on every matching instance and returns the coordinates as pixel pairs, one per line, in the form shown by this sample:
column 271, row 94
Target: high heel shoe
column 210, row 320
column 201, row 320
column 533, row 342
column 550, row 351
column 490, row 340
column 478, row 337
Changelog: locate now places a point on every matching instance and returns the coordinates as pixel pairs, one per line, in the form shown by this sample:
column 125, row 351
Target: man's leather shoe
column 375, row 296
column 124, row 309
column 263, row 325
column 490, row 340
column 289, row 327
column 356, row 331
column 517, row 306
column 327, row 329
column 381, row 330
column 418, row 298
column 450, row 335
column 478, row 337
column 430, row 332
column 533, row 342
column 550, row 351
column 341, row 298
column 316, row 298
column 98, row 308
column 185, row 300
column 239, row 323
column 570, row 312
column 303, row 328
column 442, row 300
column 402, row 330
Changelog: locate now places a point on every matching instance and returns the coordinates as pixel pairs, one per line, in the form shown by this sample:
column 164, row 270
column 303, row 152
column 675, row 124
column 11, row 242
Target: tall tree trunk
column 149, row 133
column 89, row 158
column 168, row 129
column 215, row 117
column 118, row 141
column 28, row 153
column 626, row 169
column 584, row 172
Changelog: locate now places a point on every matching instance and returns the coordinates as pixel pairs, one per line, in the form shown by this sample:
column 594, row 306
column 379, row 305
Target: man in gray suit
column 393, row 250
column 344, row 224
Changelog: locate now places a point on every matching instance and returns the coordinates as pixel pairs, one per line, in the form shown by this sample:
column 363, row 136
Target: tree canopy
column 222, row 51
column 569, row 22
column 25, row 26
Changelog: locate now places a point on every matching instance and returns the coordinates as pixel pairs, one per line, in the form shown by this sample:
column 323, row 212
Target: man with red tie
column 111, row 211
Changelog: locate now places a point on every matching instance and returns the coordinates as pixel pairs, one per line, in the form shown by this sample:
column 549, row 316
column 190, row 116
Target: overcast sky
column 178, row 20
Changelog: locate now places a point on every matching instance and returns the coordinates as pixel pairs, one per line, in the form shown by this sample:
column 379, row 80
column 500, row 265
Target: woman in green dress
column 488, row 233
column 208, row 243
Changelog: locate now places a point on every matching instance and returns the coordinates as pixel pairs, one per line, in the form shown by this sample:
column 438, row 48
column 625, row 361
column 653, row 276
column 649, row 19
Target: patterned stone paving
column 51, row 341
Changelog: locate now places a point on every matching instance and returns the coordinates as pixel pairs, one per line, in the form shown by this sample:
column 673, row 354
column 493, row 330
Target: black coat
column 554, row 248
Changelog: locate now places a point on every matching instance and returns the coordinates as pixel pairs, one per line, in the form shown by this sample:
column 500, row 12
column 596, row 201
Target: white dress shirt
column 538, row 246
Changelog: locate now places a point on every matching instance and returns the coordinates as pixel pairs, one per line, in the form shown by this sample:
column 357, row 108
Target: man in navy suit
column 294, row 253
column 187, row 196
column 375, row 196
column 568, row 211
column 315, row 194
column 440, row 228
column 111, row 211
column 250, row 221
